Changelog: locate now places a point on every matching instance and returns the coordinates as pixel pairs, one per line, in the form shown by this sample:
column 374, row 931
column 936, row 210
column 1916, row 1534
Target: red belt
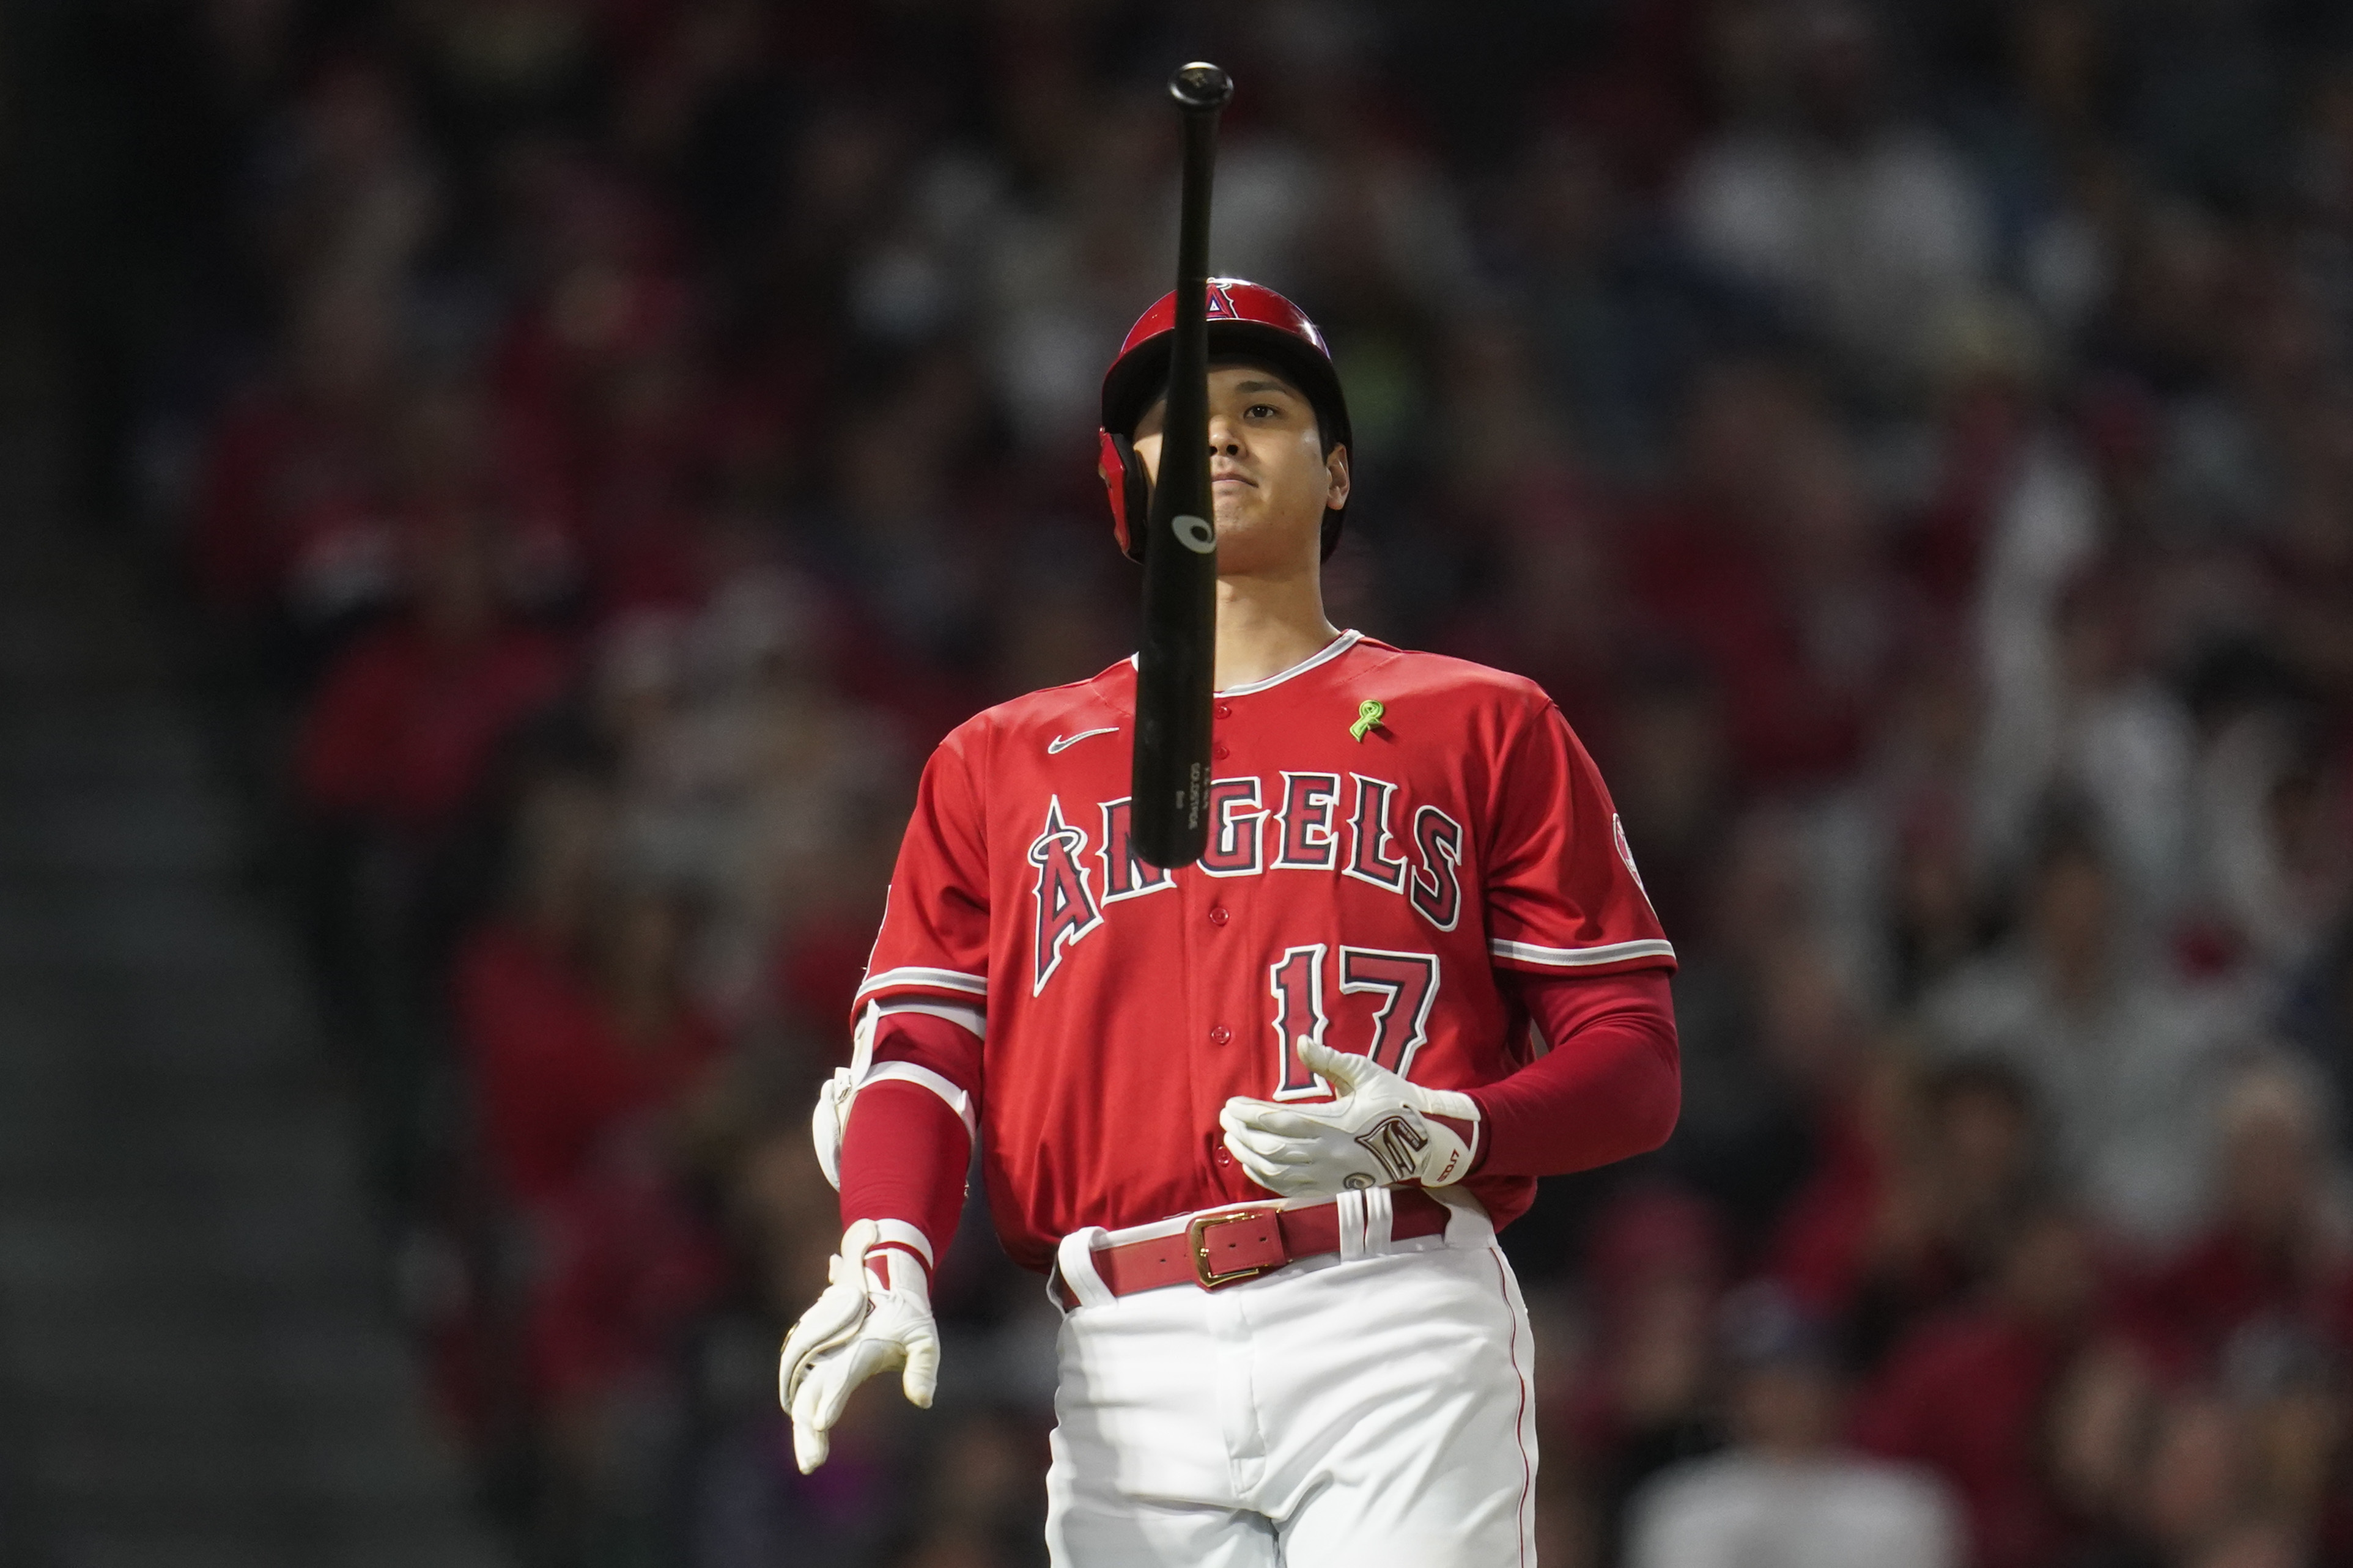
column 1230, row 1246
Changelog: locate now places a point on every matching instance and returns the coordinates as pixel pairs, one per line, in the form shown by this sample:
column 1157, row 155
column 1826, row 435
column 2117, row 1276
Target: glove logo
column 1395, row 1144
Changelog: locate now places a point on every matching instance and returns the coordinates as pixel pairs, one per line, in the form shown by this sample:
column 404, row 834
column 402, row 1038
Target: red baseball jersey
column 1388, row 830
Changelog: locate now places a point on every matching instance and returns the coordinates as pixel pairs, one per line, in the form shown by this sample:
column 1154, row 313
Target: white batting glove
column 859, row 1326
column 1381, row 1131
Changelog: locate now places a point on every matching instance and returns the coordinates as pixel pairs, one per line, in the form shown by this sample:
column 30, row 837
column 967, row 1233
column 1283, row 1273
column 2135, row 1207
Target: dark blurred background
column 501, row 496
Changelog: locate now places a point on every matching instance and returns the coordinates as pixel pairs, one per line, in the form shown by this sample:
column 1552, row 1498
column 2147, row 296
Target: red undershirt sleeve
column 1610, row 1087
column 907, row 1146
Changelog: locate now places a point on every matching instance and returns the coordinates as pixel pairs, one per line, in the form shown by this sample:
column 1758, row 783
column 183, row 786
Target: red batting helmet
column 1246, row 321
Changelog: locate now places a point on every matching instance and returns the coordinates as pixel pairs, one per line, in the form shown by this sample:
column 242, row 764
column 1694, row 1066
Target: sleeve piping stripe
column 924, row 1077
column 1581, row 957
column 971, row 1019
column 934, row 979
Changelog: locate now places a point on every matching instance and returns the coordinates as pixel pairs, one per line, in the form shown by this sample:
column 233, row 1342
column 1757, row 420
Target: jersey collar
column 1324, row 654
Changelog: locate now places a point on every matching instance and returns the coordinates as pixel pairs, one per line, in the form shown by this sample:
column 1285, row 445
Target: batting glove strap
column 1381, row 1130
column 876, row 1316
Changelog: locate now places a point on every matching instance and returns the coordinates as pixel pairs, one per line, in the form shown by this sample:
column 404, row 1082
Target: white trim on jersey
column 924, row 1077
column 1330, row 651
column 970, row 1019
column 1324, row 654
column 1581, row 957
column 937, row 979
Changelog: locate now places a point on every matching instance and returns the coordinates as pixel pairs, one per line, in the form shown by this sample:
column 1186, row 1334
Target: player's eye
column 1262, row 411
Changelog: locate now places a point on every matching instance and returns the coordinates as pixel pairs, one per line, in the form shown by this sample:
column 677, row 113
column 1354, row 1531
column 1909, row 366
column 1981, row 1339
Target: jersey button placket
column 1221, row 1036
column 1219, row 914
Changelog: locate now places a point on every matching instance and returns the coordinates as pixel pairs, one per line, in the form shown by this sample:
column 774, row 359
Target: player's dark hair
column 1325, row 421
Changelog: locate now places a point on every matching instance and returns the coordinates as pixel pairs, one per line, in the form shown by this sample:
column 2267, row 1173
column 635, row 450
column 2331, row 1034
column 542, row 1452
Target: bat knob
column 1200, row 88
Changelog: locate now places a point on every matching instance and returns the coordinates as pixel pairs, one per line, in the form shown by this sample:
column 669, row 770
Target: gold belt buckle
column 1210, row 1279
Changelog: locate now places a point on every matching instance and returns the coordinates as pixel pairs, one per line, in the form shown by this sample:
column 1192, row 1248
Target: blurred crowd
column 614, row 439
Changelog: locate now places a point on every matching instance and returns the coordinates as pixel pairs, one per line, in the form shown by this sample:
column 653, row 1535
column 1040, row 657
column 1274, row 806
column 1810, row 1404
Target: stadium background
column 505, row 493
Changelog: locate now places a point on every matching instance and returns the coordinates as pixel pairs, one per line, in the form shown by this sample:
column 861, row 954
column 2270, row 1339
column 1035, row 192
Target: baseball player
column 1258, row 1119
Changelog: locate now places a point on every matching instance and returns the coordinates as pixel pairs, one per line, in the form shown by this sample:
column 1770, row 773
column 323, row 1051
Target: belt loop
column 1349, row 1211
column 1074, row 1266
column 1467, row 1226
column 1380, row 1217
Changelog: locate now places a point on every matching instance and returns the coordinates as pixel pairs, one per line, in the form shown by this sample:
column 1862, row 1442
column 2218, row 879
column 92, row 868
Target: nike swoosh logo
column 1058, row 741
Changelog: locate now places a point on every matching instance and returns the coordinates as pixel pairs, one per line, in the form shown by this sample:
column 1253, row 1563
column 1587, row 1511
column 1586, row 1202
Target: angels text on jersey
column 1256, row 827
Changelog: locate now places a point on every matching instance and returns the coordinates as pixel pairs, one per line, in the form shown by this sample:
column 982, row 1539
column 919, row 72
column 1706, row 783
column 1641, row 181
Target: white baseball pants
column 1370, row 1408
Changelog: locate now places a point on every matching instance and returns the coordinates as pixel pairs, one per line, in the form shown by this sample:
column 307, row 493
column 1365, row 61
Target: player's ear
column 1335, row 471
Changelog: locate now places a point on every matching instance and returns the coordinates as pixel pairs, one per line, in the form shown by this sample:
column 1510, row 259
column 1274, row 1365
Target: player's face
column 1269, row 476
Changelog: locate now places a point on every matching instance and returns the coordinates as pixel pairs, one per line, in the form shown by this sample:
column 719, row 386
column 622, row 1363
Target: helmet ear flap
column 1129, row 488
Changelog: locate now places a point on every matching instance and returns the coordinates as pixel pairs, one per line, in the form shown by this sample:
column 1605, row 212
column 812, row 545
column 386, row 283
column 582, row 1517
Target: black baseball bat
column 1177, row 655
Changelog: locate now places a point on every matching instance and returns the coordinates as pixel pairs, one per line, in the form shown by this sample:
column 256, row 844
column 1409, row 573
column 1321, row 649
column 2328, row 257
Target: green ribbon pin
column 1368, row 718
